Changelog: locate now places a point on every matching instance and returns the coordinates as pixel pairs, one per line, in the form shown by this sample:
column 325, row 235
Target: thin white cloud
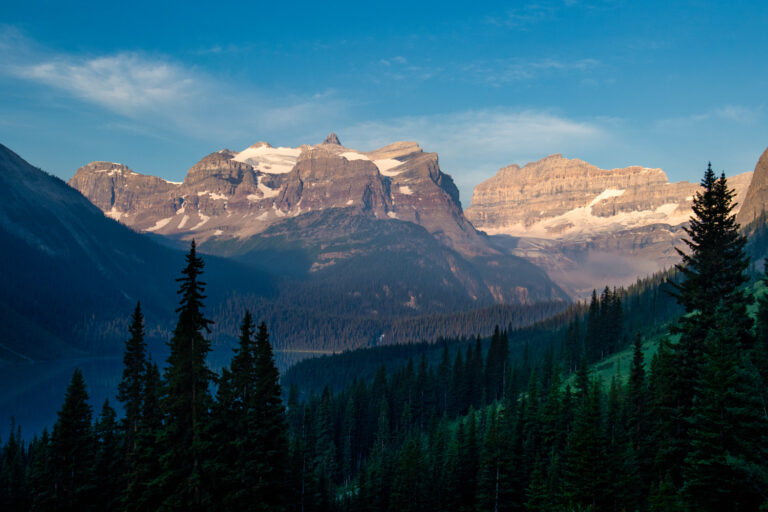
column 502, row 72
column 124, row 83
column 162, row 94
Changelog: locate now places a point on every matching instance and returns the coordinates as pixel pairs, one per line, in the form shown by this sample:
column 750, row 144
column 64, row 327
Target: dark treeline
column 310, row 328
column 485, row 426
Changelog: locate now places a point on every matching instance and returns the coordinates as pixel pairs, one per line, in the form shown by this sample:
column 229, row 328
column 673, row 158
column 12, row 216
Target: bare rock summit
column 332, row 139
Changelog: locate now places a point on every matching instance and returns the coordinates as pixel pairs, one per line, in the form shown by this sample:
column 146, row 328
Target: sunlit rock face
column 558, row 197
column 238, row 194
column 756, row 198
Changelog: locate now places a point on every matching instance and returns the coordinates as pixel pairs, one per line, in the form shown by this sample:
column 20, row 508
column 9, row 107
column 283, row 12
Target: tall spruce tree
column 713, row 269
column 73, row 450
column 725, row 468
column 144, row 478
column 14, row 489
column 42, row 476
column 229, row 426
column 713, row 275
column 131, row 387
column 109, row 462
column 187, row 399
column 637, row 417
column 268, row 428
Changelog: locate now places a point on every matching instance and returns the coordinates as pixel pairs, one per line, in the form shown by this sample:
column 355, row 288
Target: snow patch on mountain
column 606, row 194
column 160, row 224
column 114, row 213
column 582, row 221
column 268, row 192
column 268, row 159
column 386, row 165
column 354, row 155
column 212, row 195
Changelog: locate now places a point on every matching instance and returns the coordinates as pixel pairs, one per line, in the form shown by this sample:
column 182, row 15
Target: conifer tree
column 539, row 499
column 712, row 287
column 130, row 389
column 143, row 487
column 726, row 465
column 594, row 331
column 497, row 366
column 109, row 468
column 231, row 452
column 488, row 486
column 41, row 474
column 572, row 347
column 187, row 398
column 269, row 428
column 713, row 273
column 14, row 490
column 714, row 268
column 409, row 489
column 73, row 449
column 638, row 433
column 760, row 355
column 585, row 481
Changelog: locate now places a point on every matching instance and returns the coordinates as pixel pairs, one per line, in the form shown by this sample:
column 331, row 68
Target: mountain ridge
column 229, row 198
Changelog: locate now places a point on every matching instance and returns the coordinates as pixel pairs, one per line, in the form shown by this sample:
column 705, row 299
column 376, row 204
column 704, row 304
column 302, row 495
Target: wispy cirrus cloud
column 493, row 73
column 156, row 93
column 502, row 72
column 126, row 83
column 524, row 16
column 729, row 113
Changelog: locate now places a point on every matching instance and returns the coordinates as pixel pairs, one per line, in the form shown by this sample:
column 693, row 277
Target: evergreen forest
column 522, row 420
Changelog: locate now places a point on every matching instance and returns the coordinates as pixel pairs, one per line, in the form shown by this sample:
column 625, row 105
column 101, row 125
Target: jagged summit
column 261, row 144
column 332, row 139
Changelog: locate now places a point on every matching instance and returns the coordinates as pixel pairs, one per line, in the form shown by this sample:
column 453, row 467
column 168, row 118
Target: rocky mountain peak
column 240, row 194
column 260, row 144
column 557, row 197
column 332, row 139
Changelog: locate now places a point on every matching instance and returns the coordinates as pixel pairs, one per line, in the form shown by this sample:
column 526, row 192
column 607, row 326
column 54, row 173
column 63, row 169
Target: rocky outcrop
column 756, row 200
column 119, row 191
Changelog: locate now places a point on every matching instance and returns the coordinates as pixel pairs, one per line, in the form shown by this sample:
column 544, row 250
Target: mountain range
column 385, row 227
column 333, row 247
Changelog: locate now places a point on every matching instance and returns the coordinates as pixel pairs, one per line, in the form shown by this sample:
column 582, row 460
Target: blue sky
column 158, row 85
